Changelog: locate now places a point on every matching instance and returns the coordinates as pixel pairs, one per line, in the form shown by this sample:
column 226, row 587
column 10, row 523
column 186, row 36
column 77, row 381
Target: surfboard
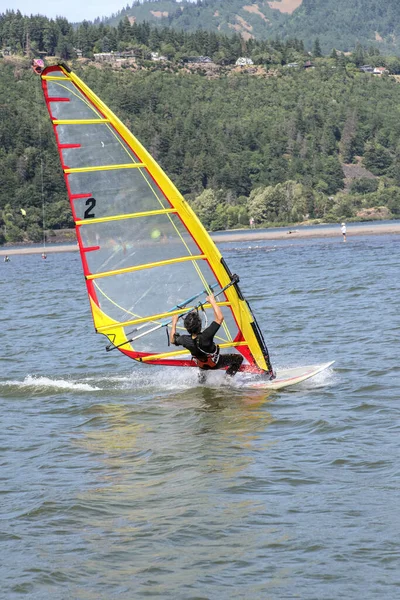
column 287, row 377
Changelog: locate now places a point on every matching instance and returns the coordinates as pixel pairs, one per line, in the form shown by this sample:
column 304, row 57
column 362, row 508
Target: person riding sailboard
column 118, row 191
column 137, row 237
column 201, row 345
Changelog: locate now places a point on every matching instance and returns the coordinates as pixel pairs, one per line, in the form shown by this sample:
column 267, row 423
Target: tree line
column 57, row 37
column 38, row 36
column 238, row 146
column 339, row 24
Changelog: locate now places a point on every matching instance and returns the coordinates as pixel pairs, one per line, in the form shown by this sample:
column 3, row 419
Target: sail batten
column 103, row 168
column 53, row 77
column 185, row 352
column 157, row 317
column 79, row 121
column 143, row 249
column 161, row 263
column 149, row 213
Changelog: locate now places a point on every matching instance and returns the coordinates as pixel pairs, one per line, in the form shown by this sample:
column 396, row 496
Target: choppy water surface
column 124, row 481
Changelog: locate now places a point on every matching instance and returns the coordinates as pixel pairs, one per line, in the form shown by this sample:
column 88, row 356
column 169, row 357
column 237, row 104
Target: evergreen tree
column 349, row 132
column 358, row 55
column 317, row 52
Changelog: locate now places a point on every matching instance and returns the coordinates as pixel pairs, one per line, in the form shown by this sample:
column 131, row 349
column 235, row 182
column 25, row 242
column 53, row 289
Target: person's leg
column 232, row 361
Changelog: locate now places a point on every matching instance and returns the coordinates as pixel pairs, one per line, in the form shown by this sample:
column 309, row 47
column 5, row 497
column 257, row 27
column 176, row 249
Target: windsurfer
column 201, row 344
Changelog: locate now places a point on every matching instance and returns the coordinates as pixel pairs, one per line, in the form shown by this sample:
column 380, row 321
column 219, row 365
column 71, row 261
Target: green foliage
column 287, row 202
column 14, row 234
column 58, row 37
column 364, row 186
column 317, row 52
column 348, row 137
column 205, row 206
column 377, row 158
column 237, row 145
column 342, row 209
column 365, row 25
column 392, row 201
column 30, row 173
column 337, row 24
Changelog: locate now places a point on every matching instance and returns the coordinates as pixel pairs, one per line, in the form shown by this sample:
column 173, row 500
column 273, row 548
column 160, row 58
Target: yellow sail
column 145, row 254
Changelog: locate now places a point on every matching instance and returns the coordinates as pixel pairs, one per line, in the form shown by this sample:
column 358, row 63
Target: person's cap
column 343, row 223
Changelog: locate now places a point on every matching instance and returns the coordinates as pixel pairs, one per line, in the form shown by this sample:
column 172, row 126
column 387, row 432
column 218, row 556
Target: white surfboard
column 286, row 377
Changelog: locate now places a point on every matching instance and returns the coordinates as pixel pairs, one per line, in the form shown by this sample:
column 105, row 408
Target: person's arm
column 173, row 329
column 218, row 316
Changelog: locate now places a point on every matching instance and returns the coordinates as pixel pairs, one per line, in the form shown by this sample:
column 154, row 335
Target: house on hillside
column 292, row 66
column 242, row 61
column 380, row 70
column 367, row 69
column 114, row 56
column 155, row 56
column 374, row 70
column 103, row 56
column 199, row 59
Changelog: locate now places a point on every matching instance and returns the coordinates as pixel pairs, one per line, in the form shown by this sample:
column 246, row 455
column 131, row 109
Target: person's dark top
column 205, row 341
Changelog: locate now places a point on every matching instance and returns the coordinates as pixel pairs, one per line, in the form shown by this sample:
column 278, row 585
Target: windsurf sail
column 145, row 254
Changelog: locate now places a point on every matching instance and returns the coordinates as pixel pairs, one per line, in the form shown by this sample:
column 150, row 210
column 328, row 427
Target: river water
column 120, row 480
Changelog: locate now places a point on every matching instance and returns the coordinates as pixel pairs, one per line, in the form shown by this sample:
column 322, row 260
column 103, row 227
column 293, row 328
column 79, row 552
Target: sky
column 73, row 10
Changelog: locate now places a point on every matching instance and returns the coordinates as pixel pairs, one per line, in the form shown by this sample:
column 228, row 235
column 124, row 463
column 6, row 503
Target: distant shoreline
column 300, row 232
column 245, row 235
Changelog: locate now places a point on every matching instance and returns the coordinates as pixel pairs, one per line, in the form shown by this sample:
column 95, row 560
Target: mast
column 44, row 255
column 38, row 66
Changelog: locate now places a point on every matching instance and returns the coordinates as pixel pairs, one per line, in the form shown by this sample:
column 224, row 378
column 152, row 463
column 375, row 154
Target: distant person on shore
column 251, row 223
column 344, row 230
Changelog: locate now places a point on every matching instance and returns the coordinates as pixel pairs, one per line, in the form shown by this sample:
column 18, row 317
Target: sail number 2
column 90, row 203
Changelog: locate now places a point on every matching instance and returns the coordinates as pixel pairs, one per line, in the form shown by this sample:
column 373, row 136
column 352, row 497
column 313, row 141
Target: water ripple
column 124, row 481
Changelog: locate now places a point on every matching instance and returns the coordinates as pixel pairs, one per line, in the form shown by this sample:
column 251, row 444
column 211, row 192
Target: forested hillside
column 340, row 24
column 237, row 145
column 39, row 35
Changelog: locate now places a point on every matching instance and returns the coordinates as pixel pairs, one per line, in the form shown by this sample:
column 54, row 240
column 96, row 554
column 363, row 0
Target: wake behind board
column 286, row 377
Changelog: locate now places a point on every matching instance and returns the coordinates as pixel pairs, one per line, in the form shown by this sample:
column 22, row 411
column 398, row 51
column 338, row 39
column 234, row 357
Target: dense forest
column 38, row 35
column 233, row 24
column 337, row 23
column 281, row 145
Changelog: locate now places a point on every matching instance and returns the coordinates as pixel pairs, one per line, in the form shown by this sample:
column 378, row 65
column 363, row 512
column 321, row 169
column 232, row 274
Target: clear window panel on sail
column 72, row 104
column 148, row 292
column 136, row 241
column 99, row 146
column 115, row 192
